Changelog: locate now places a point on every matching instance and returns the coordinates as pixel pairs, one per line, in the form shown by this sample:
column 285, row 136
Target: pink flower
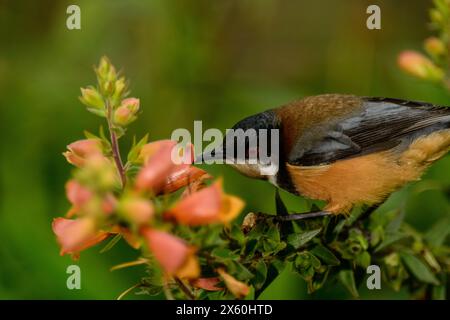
column 173, row 254
column 76, row 235
column 78, row 196
column 419, row 66
column 81, row 150
column 157, row 168
column 150, row 149
column 167, row 167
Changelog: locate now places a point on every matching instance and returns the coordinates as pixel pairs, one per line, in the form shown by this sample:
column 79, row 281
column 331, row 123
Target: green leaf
column 390, row 239
column 439, row 292
column 347, row 278
column 273, row 233
column 250, row 248
column 111, row 243
column 270, row 246
column 363, row 259
column 395, row 224
column 438, row 233
column 418, row 268
column 135, row 149
column 90, row 135
column 325, row 255
column 306, row 265
column 280, row 206
column 224, row 253
column 239, row 270
column 273, row 271
column 98, row 112
column 102, row 133
column 260, row 274
column 300, row 239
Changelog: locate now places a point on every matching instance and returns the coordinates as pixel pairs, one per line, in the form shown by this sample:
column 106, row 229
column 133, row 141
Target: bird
column 347, row 150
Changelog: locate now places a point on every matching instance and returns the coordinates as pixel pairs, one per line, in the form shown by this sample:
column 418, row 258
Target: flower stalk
column 115, row 146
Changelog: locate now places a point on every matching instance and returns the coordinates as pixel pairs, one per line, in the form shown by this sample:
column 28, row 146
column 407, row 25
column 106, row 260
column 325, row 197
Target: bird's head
column 251, row 146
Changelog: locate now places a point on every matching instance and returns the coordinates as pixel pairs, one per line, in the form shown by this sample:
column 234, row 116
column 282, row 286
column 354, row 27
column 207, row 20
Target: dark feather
column 381, row 124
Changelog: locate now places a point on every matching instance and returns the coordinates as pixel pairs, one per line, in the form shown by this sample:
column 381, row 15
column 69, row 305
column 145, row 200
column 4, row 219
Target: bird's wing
column 381, row 124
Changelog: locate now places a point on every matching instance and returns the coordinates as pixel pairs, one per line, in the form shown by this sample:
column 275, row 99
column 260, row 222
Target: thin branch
column 185, row 289
column 115, row 146
column 302, row 216
column 167, row 292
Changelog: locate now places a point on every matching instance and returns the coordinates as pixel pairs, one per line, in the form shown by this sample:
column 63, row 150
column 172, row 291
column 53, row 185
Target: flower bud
column 137, row 210
column 103, row 67
column 80, row 150
column 92, row 98
column 132, row 104
column 106, row 74
column 419, row 66
column 123, row 116
column 435, row 47
column 126, row 113
column 119, row 89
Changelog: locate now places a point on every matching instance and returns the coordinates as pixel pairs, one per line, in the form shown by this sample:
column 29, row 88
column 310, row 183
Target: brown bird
column 349, row 150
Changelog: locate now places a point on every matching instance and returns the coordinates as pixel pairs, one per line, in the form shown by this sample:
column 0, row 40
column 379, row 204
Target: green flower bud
column 106, row 74
column 92, row 98
column 119, row 89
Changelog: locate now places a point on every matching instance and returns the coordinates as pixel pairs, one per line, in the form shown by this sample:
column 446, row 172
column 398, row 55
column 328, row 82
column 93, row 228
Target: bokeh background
column 215, row 61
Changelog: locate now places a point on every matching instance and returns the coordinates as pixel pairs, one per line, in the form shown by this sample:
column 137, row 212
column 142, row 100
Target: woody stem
column 115, row 146
column 185, row 289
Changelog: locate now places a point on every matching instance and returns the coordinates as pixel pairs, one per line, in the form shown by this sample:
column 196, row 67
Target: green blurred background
column 216, row 61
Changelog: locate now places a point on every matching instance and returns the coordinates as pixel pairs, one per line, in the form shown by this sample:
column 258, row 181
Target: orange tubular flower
column 209, row 205
column 157, row 167
column 76, row 235
column 80, row 150
column 161, row 174
column 150, row 149
column 236, row 287
column 173, row 254
column 77, row 195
